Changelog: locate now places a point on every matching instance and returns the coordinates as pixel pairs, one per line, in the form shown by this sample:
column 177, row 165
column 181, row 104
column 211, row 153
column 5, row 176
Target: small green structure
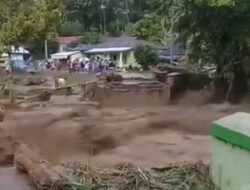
column 230, row 152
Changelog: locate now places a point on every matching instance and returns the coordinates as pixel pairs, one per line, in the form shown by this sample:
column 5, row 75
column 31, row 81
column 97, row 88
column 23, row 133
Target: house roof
column 116, row 42
column 109, row 42
column 67, row 39
column 19, row 50
column 108, row 50
column 63, row 55
column 125, row 42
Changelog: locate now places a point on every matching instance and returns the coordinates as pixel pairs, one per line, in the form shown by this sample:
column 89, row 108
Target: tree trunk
column 39, row 170
column 230, row 89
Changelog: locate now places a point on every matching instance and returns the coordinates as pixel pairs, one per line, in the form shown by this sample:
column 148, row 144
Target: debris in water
column 129, row 177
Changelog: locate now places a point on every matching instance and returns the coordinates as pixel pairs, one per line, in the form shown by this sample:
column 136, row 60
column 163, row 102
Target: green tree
column 145, row 56
column 156, row 24
column 114, row 14
column 90, row 37
column 218, row 32
column 29, row 21
column 71, row 29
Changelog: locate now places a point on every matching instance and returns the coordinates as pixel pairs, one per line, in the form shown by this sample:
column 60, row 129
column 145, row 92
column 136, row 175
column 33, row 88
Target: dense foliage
column 145, row 56
column 105, row 16
column 213, row 31
column 218, row 33
column 29, row 22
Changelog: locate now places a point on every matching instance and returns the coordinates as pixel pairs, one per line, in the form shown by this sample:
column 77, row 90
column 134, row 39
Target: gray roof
column 128, row 42
column 123, row 41
column 110, row 42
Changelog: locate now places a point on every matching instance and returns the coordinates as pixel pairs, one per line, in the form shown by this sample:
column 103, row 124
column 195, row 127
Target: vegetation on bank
column 145, row 56
column 128, row 177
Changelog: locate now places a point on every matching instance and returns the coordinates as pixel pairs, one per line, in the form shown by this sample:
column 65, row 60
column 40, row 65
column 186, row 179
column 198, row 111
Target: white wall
column 76, row 55
column 61, row 48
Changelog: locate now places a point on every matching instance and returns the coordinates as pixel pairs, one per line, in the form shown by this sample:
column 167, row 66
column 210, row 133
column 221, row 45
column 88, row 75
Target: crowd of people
column 79, row 65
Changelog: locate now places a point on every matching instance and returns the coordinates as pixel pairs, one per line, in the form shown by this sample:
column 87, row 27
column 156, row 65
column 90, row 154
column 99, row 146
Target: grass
column 129, row 177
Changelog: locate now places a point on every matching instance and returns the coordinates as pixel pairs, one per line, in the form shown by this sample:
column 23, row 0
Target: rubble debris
column 43, row 96
column 113, row 77
column 6, row 104
column 29, row 81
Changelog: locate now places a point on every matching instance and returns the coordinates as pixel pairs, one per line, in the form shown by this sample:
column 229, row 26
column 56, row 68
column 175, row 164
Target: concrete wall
column 125, row 59
column 76, row 55
column 230, row 152
column 230, row 166
column 133, row 97
column 62, row 48
column 130, row 60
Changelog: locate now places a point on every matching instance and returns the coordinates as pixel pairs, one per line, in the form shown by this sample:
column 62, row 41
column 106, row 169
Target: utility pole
column 46, row 48
column 127, row 12
column 103, row 7
column 171, row 37
column 11, row 85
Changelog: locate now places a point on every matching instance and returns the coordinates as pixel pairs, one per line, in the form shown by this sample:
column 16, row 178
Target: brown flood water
column 146, row 137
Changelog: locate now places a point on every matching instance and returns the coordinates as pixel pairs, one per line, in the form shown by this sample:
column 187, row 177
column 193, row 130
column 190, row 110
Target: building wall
column 230, row 166
column 17, row 61
column 76, row 55
column 129, row 59
column 123, row 59
column 132, row 96
column 61, row 48
column 4, row 61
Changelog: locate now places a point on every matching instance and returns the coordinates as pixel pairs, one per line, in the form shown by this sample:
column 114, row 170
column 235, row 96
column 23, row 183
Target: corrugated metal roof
column 63, row 55
column 110, row 42
column 108, row 50
column 123, row 41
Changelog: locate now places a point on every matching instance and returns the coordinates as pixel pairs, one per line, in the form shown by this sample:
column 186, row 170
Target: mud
column 144, row 136
column 7, row 148
column 66, row 130
column 11, row 179
column 136, row 98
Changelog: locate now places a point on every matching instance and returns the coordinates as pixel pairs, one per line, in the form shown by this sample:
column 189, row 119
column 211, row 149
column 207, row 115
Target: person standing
column 82, row 65
column 70, row 65
column 86, row 67
column 91, row 66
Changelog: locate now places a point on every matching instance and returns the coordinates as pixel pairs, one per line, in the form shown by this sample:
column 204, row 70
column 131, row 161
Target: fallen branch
column 41, row 172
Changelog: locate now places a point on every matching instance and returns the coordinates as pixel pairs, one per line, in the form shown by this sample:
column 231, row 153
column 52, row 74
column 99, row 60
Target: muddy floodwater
column 11, row 179
column 147, row 137
column 66, row 129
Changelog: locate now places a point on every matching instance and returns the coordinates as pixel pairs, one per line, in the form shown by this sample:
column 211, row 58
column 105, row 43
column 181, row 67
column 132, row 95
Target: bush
column 145, row 56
